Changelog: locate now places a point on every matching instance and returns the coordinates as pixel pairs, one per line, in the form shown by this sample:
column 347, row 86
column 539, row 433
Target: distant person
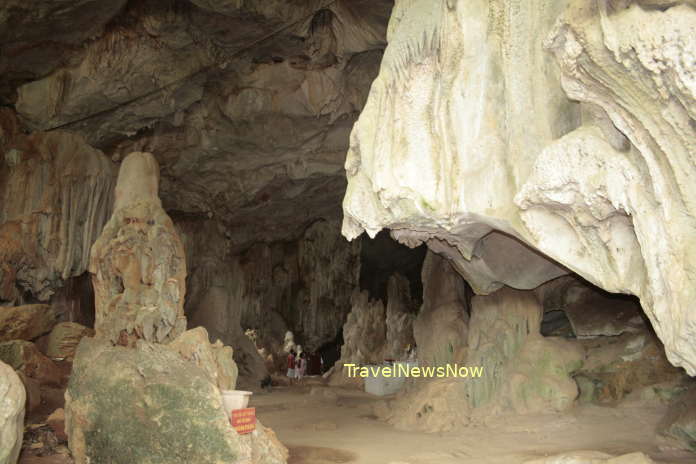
column 291, row 365
column 301, row 366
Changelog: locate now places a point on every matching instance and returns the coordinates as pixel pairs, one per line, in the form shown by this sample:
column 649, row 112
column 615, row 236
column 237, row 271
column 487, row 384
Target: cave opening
column 355, row 231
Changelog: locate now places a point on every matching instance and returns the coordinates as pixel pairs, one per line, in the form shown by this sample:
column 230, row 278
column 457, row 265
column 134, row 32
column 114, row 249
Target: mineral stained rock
column 145, row 404
column 11, row 414
column 26, row 322
column 55, row 196
column 138, row 262
column 597, row 180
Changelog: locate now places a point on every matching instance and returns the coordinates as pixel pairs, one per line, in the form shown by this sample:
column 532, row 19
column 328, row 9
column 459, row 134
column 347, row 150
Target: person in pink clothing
column 301, row 366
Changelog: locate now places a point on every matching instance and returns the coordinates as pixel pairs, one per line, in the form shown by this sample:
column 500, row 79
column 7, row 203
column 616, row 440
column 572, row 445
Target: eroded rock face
column 11, row 414
column 55, row 197
column 600, row 186
column 138, row 262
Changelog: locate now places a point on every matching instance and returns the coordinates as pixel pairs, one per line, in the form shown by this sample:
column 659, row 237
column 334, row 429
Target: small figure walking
column 301, row 366
column 291, row 365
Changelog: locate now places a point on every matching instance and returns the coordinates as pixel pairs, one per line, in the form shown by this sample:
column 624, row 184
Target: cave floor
column 339, row 427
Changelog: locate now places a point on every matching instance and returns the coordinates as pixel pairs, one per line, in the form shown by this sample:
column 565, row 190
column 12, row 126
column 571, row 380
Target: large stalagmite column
column 138, row 263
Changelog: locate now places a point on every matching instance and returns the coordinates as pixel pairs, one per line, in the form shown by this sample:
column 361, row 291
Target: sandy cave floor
column 321, row 430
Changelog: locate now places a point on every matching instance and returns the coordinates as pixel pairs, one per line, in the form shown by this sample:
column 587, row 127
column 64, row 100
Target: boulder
column 26, row 322
column 145, row 404
column 26, row 358
column 56, row 420
column 12, row 401
column 63, row 340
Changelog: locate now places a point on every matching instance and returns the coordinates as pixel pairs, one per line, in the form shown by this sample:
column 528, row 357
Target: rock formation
column 143, row 390
column 521, row 371
column 365, row 331
column 56, row 196
column 138, row 262
column 145, row 404
column 597, row 179
column 400, row 315
column 445, row 312
column 11, row 414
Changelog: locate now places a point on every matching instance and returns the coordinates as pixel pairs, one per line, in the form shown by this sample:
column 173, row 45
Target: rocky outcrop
column 11, row 414
column 55, row 197
column 26, row 322
column 493, row 135
column 138, row 262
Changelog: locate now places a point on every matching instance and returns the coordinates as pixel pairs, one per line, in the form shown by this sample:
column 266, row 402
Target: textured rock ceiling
column 247, row 105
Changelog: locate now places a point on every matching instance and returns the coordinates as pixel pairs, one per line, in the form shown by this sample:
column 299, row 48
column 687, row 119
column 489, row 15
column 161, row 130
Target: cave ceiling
column 247, row 105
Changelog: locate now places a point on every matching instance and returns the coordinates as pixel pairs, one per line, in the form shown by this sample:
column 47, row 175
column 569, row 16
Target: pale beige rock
column 489, row 136
column 12, row 400
column 215, row 360
column 138, row 262
column 593, row 457
column 26, row 322
column 64, row 338
column 442, row 325
column 365, row 331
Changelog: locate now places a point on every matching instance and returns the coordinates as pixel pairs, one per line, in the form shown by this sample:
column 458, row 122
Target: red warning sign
column 244, row 420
